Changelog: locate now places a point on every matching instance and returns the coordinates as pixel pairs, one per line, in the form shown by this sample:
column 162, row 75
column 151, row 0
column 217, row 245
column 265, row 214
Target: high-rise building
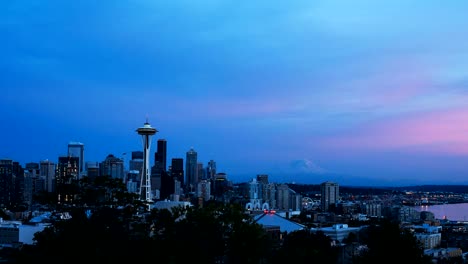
column 220, row 185
column 191, row 170
column 133, row 181
column 76, row 149
column 269, row 194
column 47, row 169
column 112, row 167
column 92, row 169
column 136, row 161
column 146, row 132
column 11, row 183
column 34, row 183
column 136, row 164
column 66, row 177
column 283, row 197
column 204, row 190
column 211, row 170
column 160, row 156
column 329, row 194
column 177, row 170
column 201, row 171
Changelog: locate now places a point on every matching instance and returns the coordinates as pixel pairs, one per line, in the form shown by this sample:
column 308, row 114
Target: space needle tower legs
column 146, row 132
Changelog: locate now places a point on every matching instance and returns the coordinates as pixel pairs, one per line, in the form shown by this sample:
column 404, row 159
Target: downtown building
column 113, row 167
column 48, row 171
column 66, row 178
column 11, row 183
column 76, row 149
column 191, row 170
column 330, row 192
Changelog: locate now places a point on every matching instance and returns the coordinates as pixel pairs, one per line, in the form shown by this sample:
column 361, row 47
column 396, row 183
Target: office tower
column 11, row 183
column 191, row 169
column 76, row 149
column 177, row 170
column 168, row 185
column 211, row 170
column 282, row 197
column 295, row 200
column 34, row 183
column 47, row 169
column 269, row 195
column 329, row 194
column 146, row 132
column 133, row 181
column 204, row 190
column 220, row 185
column 136, row 164
column 160, row 157
column 255, row 195
column 159, row 167
column 112, row 167
column 92, row 169
column 201, row 172
column 66, row 178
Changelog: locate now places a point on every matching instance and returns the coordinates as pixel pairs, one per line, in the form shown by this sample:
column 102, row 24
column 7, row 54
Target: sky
column 360, row 92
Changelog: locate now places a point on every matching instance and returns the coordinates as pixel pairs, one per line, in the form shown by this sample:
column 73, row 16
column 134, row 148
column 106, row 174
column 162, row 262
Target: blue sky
column 362, row 92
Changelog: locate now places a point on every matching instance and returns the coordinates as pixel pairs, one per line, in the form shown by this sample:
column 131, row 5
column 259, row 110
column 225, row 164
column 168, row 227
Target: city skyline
column 358, row 92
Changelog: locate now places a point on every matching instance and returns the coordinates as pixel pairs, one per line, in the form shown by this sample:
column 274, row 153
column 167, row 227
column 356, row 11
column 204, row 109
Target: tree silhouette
column 303, row 246
column 387, row 242
column 216, row 233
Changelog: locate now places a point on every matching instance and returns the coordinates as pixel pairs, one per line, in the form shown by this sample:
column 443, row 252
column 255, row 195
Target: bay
column 453, row 212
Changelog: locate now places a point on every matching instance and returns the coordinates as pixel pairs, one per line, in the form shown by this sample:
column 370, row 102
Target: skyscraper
column 329, row 194
column 66, row 177
column 211, row 170
column 201, row 172
column 191, row 169
column 11, row 183
column 159, row 167
column 160, row 157
column 34, row 183
column 76, row 149
column 112, row 167
column 177, row 170
column 146, row 132
column 47, row 169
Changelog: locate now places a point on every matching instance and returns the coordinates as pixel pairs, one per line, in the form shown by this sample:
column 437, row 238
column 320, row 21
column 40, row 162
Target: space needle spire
column 146, row 132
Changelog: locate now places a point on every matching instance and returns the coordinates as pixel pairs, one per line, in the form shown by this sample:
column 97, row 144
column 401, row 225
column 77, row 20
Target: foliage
column 215, row 233
column 304, row 246
column 387, row 241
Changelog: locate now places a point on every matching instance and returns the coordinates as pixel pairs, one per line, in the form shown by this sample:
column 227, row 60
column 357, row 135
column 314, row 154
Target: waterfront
column 454, row 212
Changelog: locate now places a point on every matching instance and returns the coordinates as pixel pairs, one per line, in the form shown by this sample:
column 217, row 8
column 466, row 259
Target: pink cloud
column 437, row 132
column 399, row 80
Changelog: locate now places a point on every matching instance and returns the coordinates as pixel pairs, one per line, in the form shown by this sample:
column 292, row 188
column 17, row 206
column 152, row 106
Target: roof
column 273, row 219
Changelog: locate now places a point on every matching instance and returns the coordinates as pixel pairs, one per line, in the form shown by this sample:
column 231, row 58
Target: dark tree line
column 118, row 230
column 216, row 233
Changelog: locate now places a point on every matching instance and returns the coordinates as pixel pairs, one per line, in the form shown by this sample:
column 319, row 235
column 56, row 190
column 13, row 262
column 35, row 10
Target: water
column 453, row 212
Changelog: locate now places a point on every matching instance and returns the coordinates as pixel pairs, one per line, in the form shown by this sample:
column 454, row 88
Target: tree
column 387, row 241
column 303, row 246
column 216, row 233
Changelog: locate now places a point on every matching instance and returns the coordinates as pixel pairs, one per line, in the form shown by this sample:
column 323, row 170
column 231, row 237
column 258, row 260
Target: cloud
column 443, row 131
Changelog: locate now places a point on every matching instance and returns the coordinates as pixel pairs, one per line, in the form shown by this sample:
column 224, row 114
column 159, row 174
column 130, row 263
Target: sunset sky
column 361, row 92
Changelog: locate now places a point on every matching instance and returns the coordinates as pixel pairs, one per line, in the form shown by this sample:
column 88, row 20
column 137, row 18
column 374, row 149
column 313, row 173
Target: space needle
column 146, row 132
